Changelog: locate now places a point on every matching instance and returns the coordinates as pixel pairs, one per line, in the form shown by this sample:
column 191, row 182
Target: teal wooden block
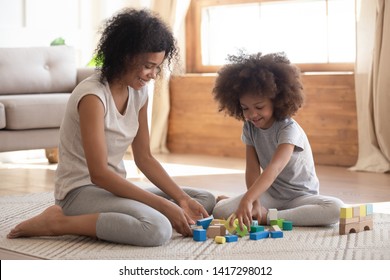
column 257, row 228
column 287, row 225
column 276, row 234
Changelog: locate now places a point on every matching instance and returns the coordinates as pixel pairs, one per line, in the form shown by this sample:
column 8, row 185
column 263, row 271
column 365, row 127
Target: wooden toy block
column 255, row 223
column 231, row 229
column 220, row 239
column 345, row 212
column 356, row 211
column 258, row 235
column 242, row 232
column 273, row 222
column 349, row 220
column 257, row 228
column 287, row 225
column 272, row 214
column 215, row 230
column 276, row 234
column 274, row 228
column 217, row 222
column 280, row 222
column 199, row 235
column 365, row 218
column 349, row 228
column 363, row 210
column 205, row 222
column 231, row 238
column 369, row 209
column 366, row 225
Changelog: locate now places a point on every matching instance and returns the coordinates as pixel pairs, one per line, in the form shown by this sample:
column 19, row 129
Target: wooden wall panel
column 328, row 117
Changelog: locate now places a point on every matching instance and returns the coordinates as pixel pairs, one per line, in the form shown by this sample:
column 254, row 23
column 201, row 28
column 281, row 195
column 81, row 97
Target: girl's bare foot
column 264, row 213
column 43, row 224
column 221, row 197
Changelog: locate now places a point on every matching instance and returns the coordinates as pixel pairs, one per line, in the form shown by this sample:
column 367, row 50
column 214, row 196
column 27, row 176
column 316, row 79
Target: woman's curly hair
column 128, row 34
column 271, row 75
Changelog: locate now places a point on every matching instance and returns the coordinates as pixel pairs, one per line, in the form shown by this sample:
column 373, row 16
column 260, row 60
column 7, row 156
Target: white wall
column 25, row 23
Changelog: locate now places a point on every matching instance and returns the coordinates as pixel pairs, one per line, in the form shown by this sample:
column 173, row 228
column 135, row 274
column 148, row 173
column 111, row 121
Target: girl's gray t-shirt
column 299, row 176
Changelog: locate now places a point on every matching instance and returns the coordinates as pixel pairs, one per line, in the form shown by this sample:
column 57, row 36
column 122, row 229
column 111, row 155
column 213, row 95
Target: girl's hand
column 193, row 209
column 243, row 214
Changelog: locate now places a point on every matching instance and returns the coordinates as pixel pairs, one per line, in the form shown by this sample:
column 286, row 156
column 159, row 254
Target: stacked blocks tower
column 355, row 219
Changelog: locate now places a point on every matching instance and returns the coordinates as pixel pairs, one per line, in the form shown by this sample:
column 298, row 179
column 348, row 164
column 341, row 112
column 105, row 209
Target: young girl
column 265, row 91
column 105, row 114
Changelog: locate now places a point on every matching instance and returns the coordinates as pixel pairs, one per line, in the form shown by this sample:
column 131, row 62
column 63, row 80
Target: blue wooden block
column 276, row 234
column 231, row 238
column 259, row 235
column 369, row 209
column 205, row 222
column 199, row 234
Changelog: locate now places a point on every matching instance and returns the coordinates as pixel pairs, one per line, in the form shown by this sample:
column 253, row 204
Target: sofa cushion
column 2, row 116
column 37, row 70
column 32, row 111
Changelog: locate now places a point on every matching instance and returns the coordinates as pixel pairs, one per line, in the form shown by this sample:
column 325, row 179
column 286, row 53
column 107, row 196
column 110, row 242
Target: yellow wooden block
column 346, row 212
column 363, row 211
column 220, row 239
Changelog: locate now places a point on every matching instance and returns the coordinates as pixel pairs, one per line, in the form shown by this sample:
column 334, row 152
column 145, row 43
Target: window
column 317, row 35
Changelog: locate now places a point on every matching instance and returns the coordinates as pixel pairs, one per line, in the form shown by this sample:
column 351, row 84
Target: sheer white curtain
column 372, row 82
column 173, row 12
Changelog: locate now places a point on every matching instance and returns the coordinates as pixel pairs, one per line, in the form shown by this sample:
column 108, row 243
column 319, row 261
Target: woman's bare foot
column 221, row 197
column 43, row 224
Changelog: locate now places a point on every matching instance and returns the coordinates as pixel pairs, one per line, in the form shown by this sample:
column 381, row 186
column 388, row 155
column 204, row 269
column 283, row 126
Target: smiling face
column 257, row 110
column 144, row 68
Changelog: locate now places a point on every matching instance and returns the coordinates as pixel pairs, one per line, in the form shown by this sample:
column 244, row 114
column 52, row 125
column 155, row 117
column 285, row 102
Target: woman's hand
column 178, row 218
column 194, row 210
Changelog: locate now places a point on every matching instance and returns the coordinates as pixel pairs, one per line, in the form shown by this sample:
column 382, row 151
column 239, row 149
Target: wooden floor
column 21, row 175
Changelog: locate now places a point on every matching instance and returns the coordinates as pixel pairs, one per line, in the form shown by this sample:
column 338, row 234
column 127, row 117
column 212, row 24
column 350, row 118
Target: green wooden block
column 240, row 232
column 280, row 222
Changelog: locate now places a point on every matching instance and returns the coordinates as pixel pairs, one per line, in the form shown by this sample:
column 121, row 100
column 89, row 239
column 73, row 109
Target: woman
column 105, row 114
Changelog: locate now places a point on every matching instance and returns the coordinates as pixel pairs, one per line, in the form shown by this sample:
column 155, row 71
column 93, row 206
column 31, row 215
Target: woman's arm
column 153, row 170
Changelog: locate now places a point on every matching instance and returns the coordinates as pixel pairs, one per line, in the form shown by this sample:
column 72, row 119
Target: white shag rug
column 302, row 243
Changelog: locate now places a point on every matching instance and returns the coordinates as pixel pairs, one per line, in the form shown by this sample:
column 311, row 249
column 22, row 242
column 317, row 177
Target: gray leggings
column 306, row 210
column 127, row 221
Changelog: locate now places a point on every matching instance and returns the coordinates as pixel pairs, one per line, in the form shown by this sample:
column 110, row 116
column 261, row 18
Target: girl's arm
column 252, row 168
column 91, row 112
column 263, row 182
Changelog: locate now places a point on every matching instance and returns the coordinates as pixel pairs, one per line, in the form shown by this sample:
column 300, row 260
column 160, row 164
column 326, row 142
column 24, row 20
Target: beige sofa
column 35, row 84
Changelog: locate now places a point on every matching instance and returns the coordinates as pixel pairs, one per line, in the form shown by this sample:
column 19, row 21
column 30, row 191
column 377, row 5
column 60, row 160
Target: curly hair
column 129, row 33
column 271, row 75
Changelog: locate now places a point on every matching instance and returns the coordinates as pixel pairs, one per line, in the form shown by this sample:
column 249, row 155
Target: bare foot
column 264, row 213
column 40, row 225
column 221, row 197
